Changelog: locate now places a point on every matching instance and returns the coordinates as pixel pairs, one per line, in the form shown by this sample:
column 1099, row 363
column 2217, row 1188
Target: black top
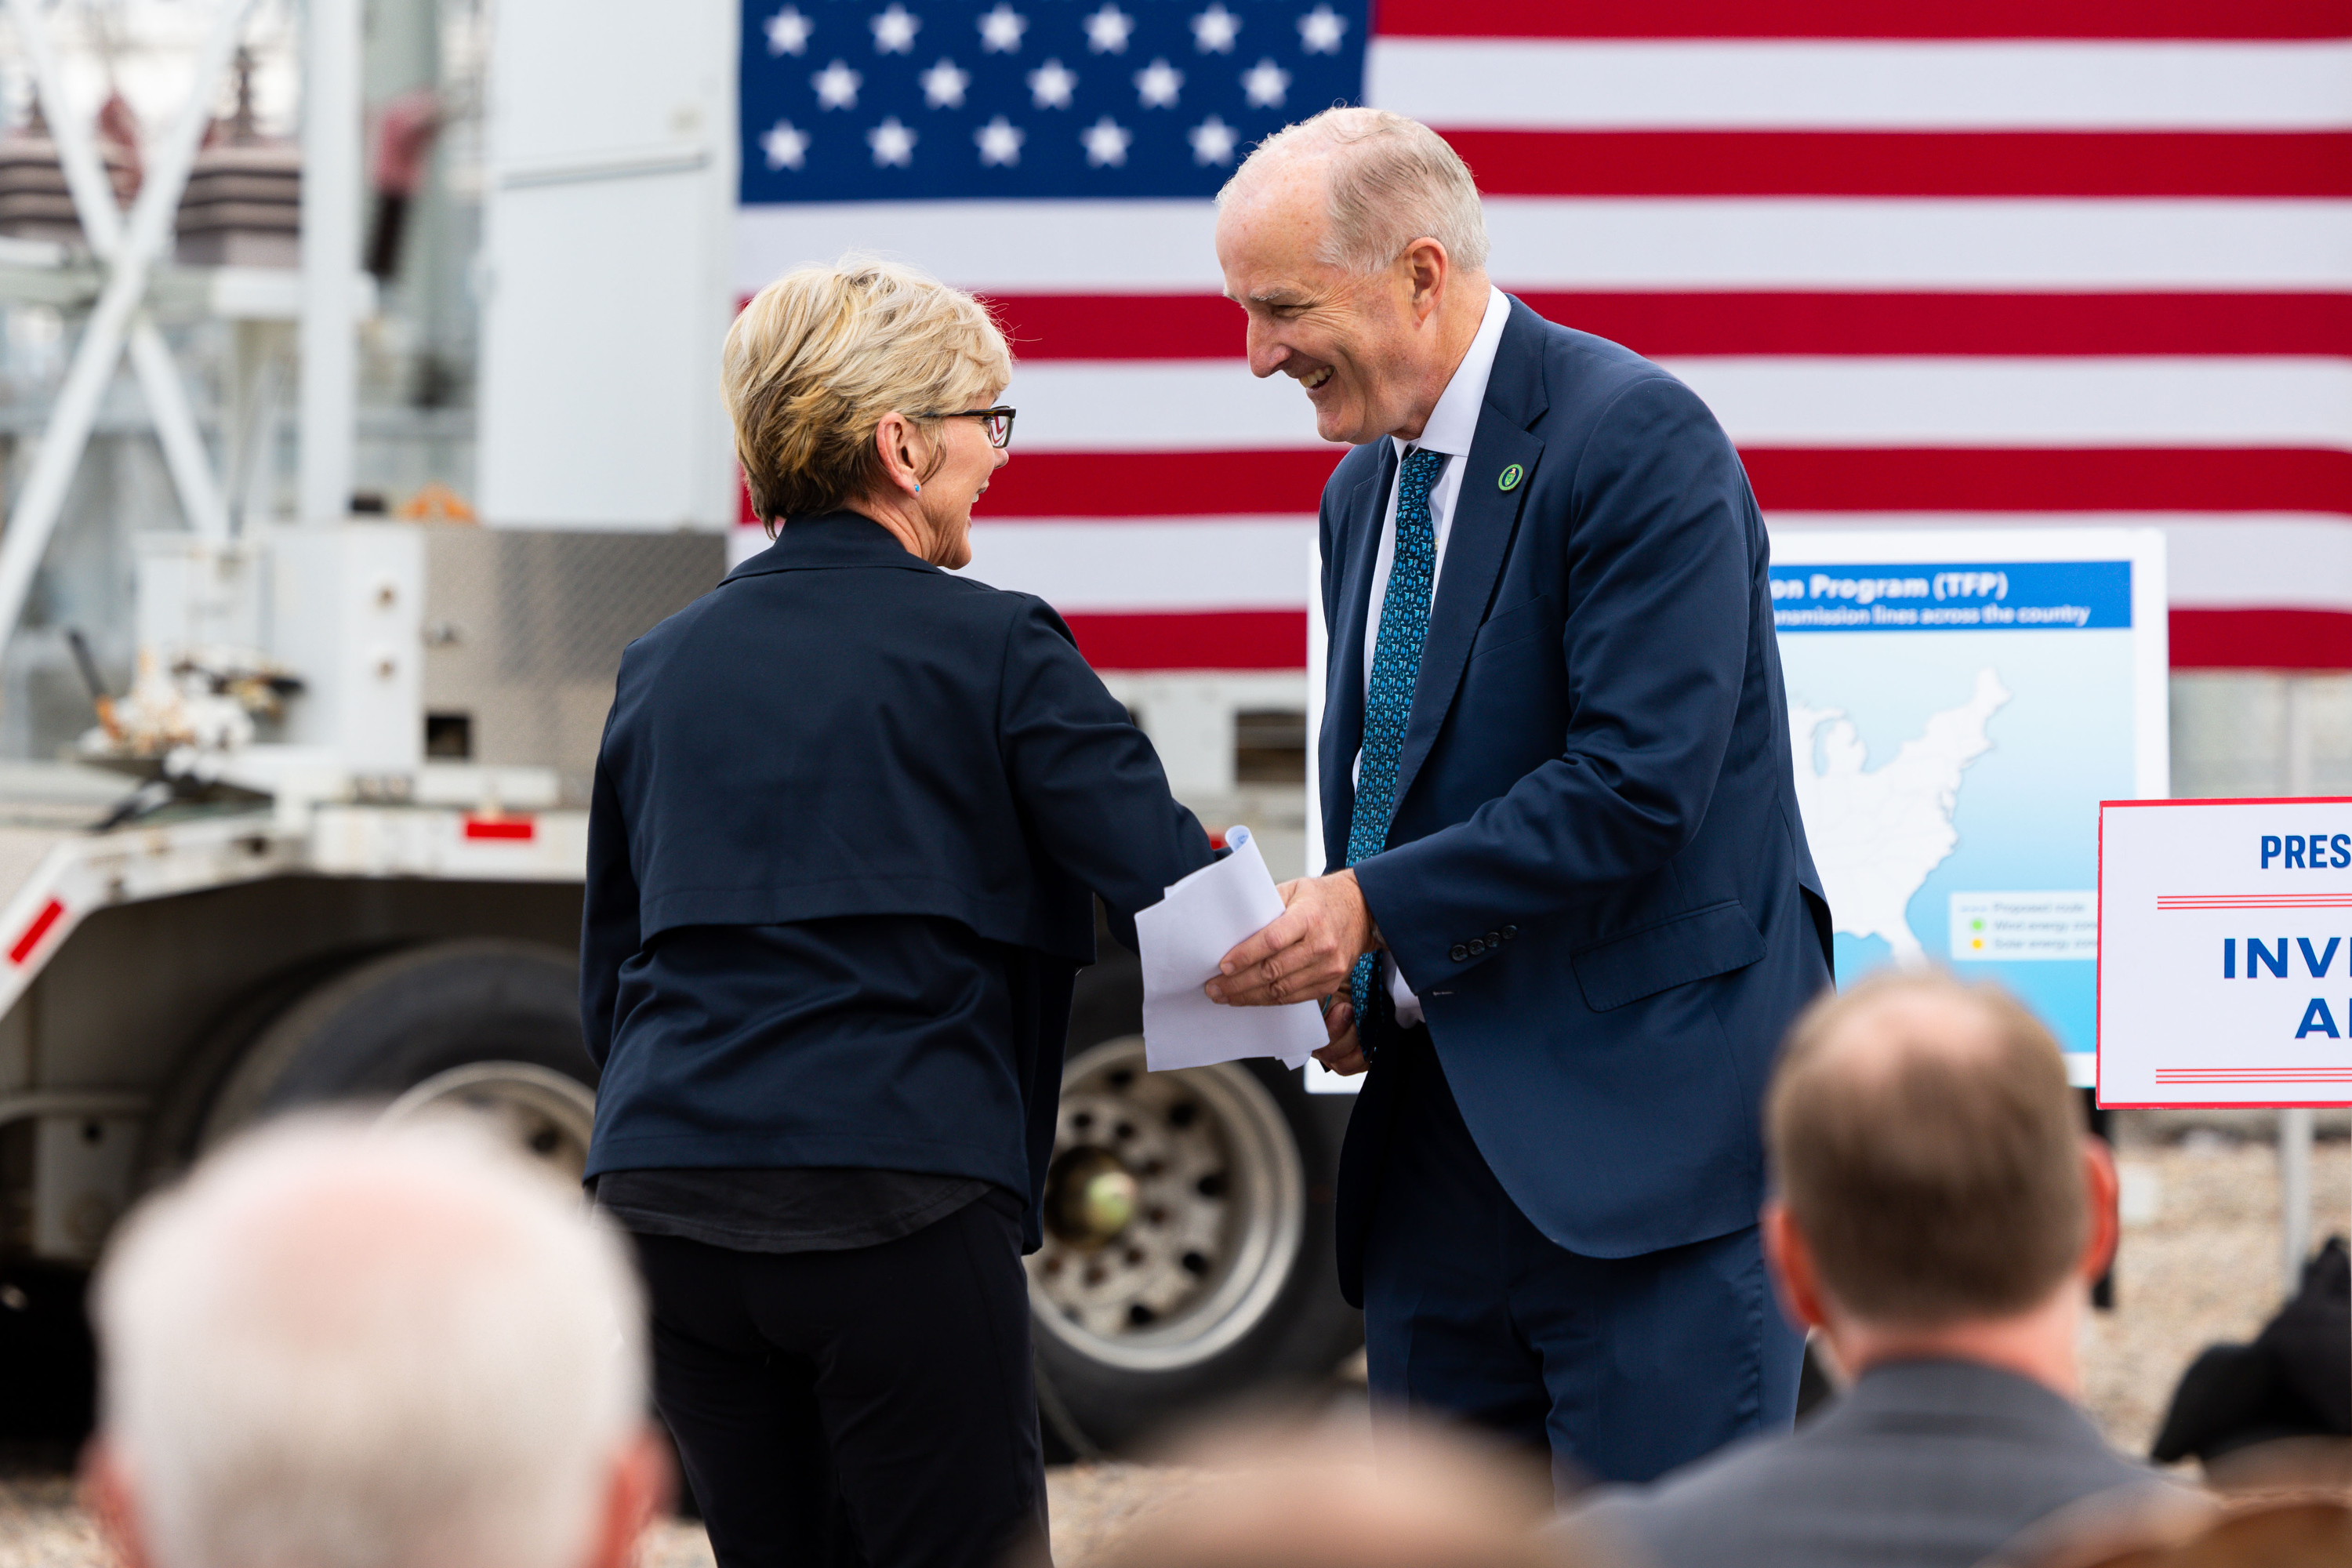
column 1924, row 1464
column 786, row 1211
column 846, row 817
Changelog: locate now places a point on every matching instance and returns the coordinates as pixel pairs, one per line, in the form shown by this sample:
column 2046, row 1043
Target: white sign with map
column 1959, row 702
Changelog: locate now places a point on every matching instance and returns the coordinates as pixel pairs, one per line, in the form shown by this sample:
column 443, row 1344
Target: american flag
column 2009, row 262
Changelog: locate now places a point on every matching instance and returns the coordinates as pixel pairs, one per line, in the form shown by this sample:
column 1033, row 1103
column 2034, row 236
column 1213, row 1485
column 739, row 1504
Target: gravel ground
column 2200, row 1264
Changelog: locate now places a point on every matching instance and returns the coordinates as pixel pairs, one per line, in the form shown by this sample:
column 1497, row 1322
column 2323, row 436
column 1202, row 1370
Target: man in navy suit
column 1570, row 909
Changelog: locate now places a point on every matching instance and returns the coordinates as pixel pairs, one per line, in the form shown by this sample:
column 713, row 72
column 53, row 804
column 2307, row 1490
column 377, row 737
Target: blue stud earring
column 919, row 489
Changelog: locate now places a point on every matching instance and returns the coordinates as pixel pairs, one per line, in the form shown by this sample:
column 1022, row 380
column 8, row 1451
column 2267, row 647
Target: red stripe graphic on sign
column 51, row 912
column 509, row 829
column 2254, row 900
column 1656, row 163
column 1867, row 19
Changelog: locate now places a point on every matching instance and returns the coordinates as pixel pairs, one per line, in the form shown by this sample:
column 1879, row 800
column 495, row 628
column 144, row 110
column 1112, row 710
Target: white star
column 943, row 85
column 788, row 33
column 1001, row 30
column 1266, row 82
column 787, row 148
column 894, row 30
column 1106, row 30
column 1214, row 31
column 1212, row 141
column 1106, row 142
column 836, row 86
column 999, row 141
column 1156, row 85
column 1050, row 85
column 892, row 143
column 1320, row 31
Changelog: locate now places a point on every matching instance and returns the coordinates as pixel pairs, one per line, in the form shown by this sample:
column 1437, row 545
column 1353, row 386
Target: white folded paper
column 1183, row 937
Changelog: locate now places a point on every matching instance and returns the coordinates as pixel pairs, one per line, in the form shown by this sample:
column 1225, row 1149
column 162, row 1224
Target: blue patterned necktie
column 1396, row 669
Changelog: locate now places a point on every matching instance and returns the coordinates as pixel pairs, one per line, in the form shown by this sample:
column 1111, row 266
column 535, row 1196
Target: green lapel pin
column 1509, row 479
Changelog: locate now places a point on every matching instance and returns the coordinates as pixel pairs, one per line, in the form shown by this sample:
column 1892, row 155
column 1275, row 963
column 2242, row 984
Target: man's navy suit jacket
column 1596, row 879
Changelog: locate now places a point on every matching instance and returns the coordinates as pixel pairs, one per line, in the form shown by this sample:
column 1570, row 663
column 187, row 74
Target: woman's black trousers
column 871, row 1406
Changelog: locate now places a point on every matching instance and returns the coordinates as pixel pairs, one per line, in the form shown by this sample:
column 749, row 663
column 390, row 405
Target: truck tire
column 488, row 1027
column 1189, row 1256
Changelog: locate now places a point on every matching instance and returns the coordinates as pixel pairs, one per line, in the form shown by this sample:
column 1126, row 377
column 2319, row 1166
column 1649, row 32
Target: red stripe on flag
column 1276, row 639
column 511, row 829
column 1802, row 322
column 1908, row 163
column 1157, row 484
column 53, row 911
column 1120, row 326
column 1942, row 479
column 1109, row 485
column 2262, row 639
column 1867, row 19
column 1214, row 639
column 1792, row 321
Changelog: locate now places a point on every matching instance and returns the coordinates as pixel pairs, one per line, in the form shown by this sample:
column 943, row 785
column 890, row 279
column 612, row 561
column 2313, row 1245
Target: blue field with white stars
column 852, row 100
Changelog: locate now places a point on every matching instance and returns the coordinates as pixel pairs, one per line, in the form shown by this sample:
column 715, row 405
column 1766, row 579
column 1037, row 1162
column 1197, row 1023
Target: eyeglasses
column 997, row 422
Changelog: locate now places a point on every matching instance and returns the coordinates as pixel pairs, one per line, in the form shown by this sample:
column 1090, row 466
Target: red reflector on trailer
column 514, row 829
column 51, row 912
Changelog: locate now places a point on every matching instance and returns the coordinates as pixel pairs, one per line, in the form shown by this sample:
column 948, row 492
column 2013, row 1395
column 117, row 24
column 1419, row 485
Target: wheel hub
column 540, row 1114
column 1172, row 1213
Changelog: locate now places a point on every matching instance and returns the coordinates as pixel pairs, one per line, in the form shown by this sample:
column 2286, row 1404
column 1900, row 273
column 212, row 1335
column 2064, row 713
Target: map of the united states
column 1877, row 833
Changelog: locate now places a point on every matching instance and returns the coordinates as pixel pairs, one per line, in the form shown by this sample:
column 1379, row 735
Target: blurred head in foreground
column 1937, row 1193
column 1288, row 1501
column 337, row 1348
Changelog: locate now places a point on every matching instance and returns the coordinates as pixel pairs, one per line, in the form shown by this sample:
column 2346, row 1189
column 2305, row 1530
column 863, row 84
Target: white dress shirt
column 1452, row 425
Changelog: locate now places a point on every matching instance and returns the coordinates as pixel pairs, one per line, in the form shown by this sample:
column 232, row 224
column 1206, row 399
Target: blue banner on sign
column 2020, row 596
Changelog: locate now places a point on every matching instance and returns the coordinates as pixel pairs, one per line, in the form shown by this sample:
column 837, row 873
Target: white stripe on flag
column 1895, row 402
column 1547, row 84
column 1148, row 563
column 1157, row 405
column 1558, row 242
column 1543, row 242
column 1136, row 246
column 1217, row 405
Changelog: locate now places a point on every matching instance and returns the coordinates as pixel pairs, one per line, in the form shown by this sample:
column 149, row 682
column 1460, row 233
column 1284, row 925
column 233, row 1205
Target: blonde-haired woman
column 847, row 816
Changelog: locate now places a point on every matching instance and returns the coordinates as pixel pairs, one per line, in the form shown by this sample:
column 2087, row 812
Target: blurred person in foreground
column 1939, row 1215
column 336, row 1347
column 847, row 819
column 1570, row 911
column 1271, row 1499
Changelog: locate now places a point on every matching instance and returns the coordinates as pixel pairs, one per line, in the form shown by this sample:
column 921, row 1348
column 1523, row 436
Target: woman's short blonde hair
column 820, row 355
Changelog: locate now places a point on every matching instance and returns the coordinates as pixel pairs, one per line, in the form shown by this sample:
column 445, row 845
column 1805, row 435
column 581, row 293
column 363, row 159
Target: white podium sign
column 2225, row 952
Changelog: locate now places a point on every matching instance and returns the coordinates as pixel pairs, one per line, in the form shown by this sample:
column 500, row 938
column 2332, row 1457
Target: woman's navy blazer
column 839, row 730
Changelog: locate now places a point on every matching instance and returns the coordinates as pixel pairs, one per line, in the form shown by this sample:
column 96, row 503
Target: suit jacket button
column 1510, row 931
column 1458, row 954
column 1477, row 947
column 1494, row 939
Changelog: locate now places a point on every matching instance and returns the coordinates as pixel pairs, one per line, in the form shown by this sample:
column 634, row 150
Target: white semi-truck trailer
column 328, row 845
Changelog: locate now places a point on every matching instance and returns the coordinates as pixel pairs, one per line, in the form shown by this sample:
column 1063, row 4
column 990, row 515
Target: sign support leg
column 2295, row 1135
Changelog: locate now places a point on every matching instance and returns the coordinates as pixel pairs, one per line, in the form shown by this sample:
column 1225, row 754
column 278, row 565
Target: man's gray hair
column 339, row 1348
column 1390, row 181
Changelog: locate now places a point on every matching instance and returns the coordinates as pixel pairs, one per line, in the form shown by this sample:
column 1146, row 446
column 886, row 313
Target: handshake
column 1304, row 954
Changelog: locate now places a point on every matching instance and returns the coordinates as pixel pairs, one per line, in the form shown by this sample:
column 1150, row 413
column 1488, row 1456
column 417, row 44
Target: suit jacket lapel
column 1343, row 688
column 1485, row 516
